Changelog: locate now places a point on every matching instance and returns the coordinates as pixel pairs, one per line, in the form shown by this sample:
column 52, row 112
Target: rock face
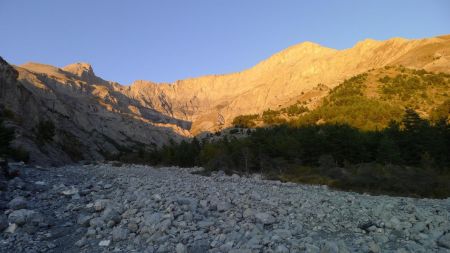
column 101, row 117
column 172, row 210
column 91, row 116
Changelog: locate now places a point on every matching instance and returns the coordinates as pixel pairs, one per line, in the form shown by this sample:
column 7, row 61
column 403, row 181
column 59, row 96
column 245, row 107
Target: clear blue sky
column 166, row 40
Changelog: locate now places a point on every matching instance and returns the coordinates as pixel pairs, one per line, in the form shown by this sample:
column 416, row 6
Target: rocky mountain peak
column 79, row 68
column 83, row 70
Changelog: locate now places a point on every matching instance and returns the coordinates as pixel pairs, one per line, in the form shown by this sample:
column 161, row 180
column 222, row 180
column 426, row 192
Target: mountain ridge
column 153, row 113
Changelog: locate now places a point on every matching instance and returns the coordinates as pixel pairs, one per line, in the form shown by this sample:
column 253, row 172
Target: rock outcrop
column 92, row 117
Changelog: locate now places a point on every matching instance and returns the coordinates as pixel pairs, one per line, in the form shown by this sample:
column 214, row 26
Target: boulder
column 181, row 248
column 83, row 220
column 264, row 218
column 18, row 203
column 223, row 206
column 119, row 234
column 199, row 246
column 25, row 216
column 100, row 204
column 444, row 241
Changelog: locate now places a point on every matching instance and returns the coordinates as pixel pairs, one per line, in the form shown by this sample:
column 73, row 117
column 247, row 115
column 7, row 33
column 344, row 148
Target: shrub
column 6, row 136
column 45, row 131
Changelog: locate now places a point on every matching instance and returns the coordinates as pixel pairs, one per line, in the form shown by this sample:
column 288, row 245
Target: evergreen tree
column 6, row 136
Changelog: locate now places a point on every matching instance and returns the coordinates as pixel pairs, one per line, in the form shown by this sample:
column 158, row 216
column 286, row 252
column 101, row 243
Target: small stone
column 97, row 222
column 265, row 218
column 22, row 216
column 444, row 241
column 373, row 247
column 248, row 213
column 181, row 248
column 18, row 203
column 81, row 242
column 133, row 227
column 40, row 183
column 235, row 176
column 100, row 204
column 91, row 232
column 199, row 246
column 223, row 206
column 281, row 249
column 111, row 214
column 329, row 247
column 104, row 243
column 205, row 224
column 83, row 220
column 70, row 191
column 11, row 228
column 119, row 234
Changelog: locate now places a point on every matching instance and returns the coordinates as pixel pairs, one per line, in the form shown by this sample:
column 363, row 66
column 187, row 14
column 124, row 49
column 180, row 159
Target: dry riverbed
column 133, row 208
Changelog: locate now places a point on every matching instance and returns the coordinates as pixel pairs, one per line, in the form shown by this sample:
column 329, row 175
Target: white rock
column 11, row 228
column 70, row 191
column 104, row 243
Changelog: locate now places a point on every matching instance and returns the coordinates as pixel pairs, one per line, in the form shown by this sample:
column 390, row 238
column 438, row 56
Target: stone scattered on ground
column 133, row 208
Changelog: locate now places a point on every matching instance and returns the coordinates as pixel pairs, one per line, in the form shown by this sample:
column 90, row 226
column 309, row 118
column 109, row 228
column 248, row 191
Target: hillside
column 212, row 102
column 367, row 101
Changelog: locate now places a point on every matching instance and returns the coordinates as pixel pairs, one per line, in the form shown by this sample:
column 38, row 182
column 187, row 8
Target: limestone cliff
column 92, row 117
column 211, row 102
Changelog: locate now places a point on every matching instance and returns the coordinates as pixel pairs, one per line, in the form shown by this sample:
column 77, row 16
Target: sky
column 168, row 40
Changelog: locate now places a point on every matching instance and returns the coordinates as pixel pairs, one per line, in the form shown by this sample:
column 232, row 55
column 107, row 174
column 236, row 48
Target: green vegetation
column 295, row 109
column 7, row 136
column 410, row 82
column 365, row 136
column 409, row 157
column 441, row 112
column 245, row 121
column 270, row 117
column 71, row 145
column 45, row 131
column 347, row 104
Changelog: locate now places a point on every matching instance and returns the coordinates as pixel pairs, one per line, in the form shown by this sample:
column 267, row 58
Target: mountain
column 367, row 101
column 211, row 102
column 93, row 118
column 90, row 117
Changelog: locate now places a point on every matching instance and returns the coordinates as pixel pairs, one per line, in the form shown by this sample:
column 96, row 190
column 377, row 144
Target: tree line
column 411, row 156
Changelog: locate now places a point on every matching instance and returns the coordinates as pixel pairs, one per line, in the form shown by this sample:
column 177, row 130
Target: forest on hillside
column 367, row 135
column 410, row 157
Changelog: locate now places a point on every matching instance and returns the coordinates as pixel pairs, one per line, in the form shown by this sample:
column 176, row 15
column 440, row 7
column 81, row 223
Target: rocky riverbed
column 132, row 208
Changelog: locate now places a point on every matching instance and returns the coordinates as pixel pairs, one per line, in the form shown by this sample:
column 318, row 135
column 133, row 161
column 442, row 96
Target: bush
column 45, row 131
column 19, row 154
column 245, row 121
column 71, row 146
